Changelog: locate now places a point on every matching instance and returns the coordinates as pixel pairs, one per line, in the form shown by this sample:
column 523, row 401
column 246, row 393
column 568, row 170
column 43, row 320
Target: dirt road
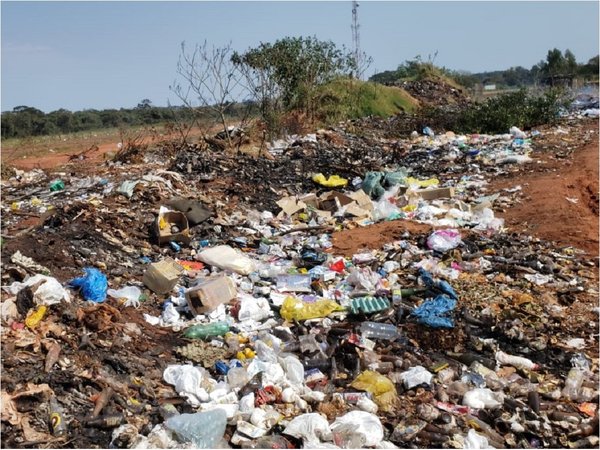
column 561, row 202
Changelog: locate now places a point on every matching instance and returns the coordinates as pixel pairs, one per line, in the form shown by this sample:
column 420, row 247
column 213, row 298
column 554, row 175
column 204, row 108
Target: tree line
column 556, row 65
column 25, row 121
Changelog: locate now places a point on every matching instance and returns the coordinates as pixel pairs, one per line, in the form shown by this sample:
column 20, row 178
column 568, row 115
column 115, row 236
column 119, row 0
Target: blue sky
column 78, row 55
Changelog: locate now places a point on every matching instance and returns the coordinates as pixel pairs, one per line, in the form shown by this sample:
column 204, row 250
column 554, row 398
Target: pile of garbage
column 435, row 92
column 261, row 304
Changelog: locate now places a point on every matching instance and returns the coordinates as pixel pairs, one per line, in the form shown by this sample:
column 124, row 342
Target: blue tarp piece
column 435, row 312
column 93, row 285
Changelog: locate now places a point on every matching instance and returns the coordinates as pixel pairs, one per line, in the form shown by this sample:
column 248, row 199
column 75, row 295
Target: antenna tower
column 356, row 40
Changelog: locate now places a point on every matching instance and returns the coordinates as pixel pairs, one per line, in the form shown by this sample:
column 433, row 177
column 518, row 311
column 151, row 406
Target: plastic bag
column 332, row 181
column 372, row 184
column 476, row 441
column 48, row 293
column 444, row 240
column 203, row 429
column 93, row 285
column 363, row 278
column 312, row 428
column 480, row 398
column 363, row 423
column 294, row 370
column 254, row 308
column 434, row 312
column 415, row 376
column 188, row 380
column 227, row 258
column 516, row 133
column 131, row 294
column 296, row 309
column 380, row 386
column 440, row 285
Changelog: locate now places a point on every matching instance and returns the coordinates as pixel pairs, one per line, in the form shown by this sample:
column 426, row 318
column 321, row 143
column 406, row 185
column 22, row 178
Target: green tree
column 570, row 64
column 296, row 66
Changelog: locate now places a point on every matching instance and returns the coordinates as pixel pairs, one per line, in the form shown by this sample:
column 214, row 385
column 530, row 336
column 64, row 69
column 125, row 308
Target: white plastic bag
column 312, row 428
column 363, row 423
column 415, row 376
column 48, row 293
column 294, row 370
column 253, row 308
column 130, row 293
column 227, row 258
column 516, row 133
column 444, row 240
column 187, row 380
column 480, row 398
column 368, row 405
column 476, row 441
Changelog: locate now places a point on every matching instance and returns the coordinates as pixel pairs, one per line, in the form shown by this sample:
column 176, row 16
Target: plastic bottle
column 575, row 377
column 468, row 359
column 516, row 361
column 379, row 330
column 208, row 330
column 573, row 383
column 203, row 429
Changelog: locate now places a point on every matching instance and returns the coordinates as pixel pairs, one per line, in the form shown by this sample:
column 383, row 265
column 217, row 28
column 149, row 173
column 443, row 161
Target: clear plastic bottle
column 207, row 330
column 379, row 330
column 575, row 377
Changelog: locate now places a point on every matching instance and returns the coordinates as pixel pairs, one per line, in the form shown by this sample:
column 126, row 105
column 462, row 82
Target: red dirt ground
column 350, row 242
column 545, row 211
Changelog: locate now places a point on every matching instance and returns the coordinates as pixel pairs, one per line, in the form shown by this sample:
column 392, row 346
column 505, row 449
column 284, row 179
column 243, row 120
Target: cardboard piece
column 357, row 204
column 161, row 277
column 291, row 205
column 433, row 194
column 207, row 296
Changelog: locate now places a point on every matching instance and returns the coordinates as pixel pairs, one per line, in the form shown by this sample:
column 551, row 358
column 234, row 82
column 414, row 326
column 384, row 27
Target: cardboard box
column 173, row 218
column 207, row 296
column 161, row 277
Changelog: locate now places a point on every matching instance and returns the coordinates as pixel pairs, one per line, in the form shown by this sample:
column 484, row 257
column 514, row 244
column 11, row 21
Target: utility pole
column 356, row 40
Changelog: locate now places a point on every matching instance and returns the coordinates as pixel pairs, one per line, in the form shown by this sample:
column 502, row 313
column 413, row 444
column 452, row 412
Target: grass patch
column 345, row 98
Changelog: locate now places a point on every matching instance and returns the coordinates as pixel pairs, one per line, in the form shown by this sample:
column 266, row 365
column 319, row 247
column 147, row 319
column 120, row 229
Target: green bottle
column 208, row 330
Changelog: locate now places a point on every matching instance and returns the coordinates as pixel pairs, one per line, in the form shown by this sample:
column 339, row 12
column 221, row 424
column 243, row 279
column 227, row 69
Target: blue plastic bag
column 435, row 312
column 440, row 285
column 93, row 285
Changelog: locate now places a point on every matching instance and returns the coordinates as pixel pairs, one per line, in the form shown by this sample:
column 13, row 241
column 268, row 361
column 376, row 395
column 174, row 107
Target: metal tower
column 356, row 40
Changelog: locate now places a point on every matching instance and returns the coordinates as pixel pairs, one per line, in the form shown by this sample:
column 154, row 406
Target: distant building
column 489, row 87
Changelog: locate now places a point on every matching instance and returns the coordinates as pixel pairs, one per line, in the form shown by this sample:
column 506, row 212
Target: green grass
column 345, row 98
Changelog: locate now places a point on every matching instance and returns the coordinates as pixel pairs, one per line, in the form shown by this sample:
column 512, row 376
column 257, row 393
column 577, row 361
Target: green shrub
column 498, row 114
